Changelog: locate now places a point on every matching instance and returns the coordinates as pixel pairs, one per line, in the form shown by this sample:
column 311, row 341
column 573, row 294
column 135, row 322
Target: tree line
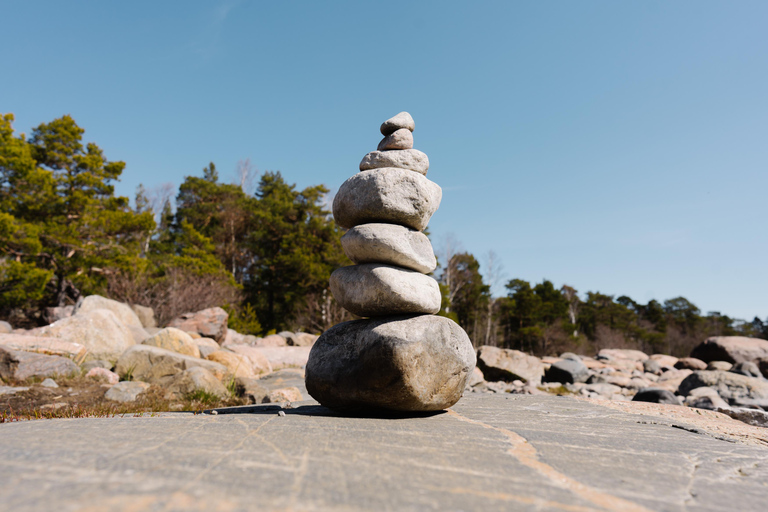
column 264, row 250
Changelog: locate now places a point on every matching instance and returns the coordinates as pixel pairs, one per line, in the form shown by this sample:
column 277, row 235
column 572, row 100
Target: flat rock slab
column 491, row 452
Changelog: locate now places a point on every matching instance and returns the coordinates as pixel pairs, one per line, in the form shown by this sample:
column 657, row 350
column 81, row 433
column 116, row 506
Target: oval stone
column 373, row 289
column 398, row 122
column 395, row 196
column 401, row 139
column 389, row 243
column 412, row 159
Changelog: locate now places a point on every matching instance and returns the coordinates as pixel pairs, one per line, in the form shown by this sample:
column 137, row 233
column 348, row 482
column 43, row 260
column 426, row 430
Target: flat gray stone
column 373, row 289
column 492, row 453
column 159, row 366
column 403, row 120
column 49, row 383
column 12, row 390
column 194, row 379
column 406, row 363
column 730, row 386
column 394, row 196
column 126, row 391
column 400, row 139
column 411, row 159
column 391, row 244
column 18, row 365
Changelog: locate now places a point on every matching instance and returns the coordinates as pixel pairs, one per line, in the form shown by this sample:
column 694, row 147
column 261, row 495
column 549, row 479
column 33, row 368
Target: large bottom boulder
column 403, row 363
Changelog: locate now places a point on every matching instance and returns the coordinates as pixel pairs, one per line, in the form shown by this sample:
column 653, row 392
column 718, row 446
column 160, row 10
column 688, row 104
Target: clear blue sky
column 619, row 147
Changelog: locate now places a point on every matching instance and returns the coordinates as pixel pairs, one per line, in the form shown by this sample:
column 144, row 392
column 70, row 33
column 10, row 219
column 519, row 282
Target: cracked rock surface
column 489, row 452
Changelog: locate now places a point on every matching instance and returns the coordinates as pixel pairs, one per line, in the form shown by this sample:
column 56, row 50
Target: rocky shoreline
column 121, row 350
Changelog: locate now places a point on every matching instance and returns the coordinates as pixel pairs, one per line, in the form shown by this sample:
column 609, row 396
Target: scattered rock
column 5, row 327
column 747, row 368
column 18, row 365
column 97, row 363
column 303, row 339
column 145, row 314
column 126, row 391
column 122, row 312
column 99, row 331
column 408, row 363
column 158, row 365
column 690, row 363
column 652, row 366
column 399, row 139
column 11, row 390
column 620, row 353
column 656, row 396
column 570, row 355
column 257, row 362
column 476, row 377
column 671, row 380
column 208, row 323
column 206, row 346
column 139, row 334
column 237, row 364
column 390, row 244
column 103, row 375
column 388, row 195
column 55, row 314
column 734, row 349
column 727, row 384
column 762, row 363
column 49, row 383
column 508, row 365
column 373, row 289
column 567, row 371
column 754, row 417
column 282, row 357
column 194, row 379
column 44, row 345
column 705, row 398
column 411, row 159
column 291, row 394
column 252, row 390
column 176, row 340
column 401, row 121
column 666, row 362
column 273, row 340
column 722, row 366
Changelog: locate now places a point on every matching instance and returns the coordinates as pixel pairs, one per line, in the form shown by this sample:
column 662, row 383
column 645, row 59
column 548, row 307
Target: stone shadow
column 319, row 410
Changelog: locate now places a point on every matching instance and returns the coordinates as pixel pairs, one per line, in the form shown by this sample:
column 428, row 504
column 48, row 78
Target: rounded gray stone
column 406, row 363
column 403, row 120
column 400, row 139
column 391, row 244
column 126, row 391
column 373, row 289
column 395, row 196
column 411, row 159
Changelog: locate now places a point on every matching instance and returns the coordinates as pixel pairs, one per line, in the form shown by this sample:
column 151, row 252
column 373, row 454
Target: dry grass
column 78, row 397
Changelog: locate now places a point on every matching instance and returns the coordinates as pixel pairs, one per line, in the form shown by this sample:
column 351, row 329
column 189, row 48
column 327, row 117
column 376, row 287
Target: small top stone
column 400, row 121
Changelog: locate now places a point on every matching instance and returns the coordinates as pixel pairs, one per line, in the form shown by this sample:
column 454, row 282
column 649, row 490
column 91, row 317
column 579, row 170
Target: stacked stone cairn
column 400, row 356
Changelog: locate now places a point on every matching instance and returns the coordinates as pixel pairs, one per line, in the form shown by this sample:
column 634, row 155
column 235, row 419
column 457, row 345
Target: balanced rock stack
column 401, row 357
